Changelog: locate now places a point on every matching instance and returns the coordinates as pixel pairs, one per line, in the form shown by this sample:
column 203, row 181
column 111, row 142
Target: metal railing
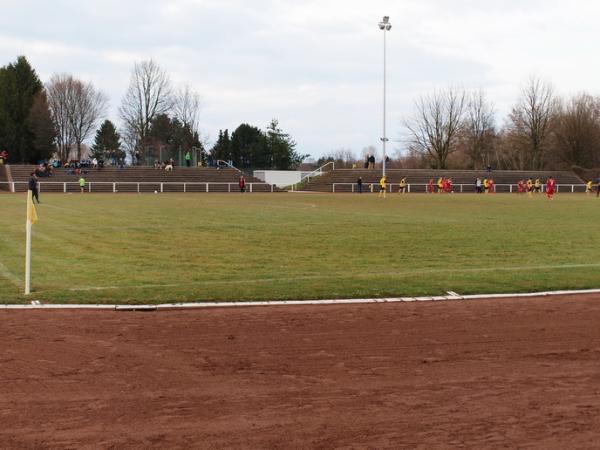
column 459, row 188
column 222, row 162
column 315, row 173
column 143, row 186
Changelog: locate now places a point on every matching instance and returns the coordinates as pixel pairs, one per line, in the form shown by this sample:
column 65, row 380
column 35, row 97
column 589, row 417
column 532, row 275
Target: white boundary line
column 245, row 304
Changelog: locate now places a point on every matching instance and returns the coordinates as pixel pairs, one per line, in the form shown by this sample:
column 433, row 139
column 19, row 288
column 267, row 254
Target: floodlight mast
column 384, row 26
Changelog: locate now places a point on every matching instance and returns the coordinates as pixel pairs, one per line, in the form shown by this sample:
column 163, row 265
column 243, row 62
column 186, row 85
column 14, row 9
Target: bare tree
column 578, row 132
column 186, row 108
column 342, row 157
column 58, row 92
column 479, row 131
column 435, row 127
column 508, row 153
column 149, row 94
column 86, row 108
column 532, row 117
column 76, row 108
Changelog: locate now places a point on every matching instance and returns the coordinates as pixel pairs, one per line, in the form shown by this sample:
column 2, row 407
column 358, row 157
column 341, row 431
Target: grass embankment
column 170, row 247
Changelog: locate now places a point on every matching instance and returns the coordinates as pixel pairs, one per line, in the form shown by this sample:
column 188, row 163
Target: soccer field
column 176, row 248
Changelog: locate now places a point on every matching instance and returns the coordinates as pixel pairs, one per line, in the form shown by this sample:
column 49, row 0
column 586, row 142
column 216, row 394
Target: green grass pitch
column 151, row 248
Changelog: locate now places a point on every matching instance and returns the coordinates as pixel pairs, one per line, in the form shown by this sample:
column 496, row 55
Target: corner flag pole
column 31, row 219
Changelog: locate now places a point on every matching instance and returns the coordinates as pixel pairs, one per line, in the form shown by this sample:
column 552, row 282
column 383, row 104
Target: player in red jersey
column 430, row 186
column 520, row 187
column 492, row 187
column 550, row 186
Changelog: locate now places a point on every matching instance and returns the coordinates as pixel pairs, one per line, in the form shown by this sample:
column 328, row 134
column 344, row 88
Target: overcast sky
column 314, row 65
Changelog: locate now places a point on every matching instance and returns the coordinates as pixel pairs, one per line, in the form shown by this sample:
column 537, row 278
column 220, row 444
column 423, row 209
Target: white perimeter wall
column 280, row 178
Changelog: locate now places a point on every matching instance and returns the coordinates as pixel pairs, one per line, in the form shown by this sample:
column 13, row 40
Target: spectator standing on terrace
column 168, row 166
column 188, row 159
column 372, row 162
column 478, row 185
column 3, row 157
column 94, row 163
column 33, row 186
column 242, row 184
column 359, row 185
column 82, row 184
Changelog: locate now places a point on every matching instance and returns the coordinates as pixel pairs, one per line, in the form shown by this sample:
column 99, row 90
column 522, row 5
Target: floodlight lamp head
column 388, row 27
column 381, row 26
column 386, row 19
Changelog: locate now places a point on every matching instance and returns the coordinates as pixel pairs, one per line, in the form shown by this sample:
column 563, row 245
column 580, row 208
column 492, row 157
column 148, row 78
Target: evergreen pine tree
column 107, row 143
column 25, row 121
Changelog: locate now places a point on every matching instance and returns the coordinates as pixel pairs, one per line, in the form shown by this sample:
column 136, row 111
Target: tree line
column 39, row 121
column 454, row 128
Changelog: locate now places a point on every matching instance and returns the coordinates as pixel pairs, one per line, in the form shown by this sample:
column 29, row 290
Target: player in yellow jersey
column 382, row 186
column 440, row 185
column 589, row 187
column 529, row 187
column 402, row 189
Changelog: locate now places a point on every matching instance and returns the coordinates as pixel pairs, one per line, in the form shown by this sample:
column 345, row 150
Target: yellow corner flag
column 31, row 212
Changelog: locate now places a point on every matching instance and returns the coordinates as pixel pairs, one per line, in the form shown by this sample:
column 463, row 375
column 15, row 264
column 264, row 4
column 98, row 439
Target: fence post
column 161, row 187
column 185, row 187
column 272, row 188
column 572, row 188
column 138, row 188
column 206, row 187
column 65, row 188
column 409, row 188
column 13, row 187
column 90, row 186
column 114, row 187
column 251, row 187
column 228, row 187
column 333, row 188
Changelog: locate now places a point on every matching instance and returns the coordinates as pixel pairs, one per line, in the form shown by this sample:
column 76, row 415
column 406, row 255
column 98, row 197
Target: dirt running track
column 466, row 374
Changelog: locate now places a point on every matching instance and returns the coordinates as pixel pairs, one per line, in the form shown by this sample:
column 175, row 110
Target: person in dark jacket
column 33, row 186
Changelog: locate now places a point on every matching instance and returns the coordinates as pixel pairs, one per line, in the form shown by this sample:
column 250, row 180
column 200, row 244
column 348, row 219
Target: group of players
column 445, row 185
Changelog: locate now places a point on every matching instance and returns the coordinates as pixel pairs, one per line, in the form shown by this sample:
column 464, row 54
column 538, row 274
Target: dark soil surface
column 521, row 373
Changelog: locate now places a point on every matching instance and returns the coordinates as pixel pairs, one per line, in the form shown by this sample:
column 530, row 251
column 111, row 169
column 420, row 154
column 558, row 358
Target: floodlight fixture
column 384, row 26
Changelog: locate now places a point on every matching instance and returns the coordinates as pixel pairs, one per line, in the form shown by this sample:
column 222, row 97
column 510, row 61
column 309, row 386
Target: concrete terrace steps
column 325, row 182
column 3, row 178
column 126, row 179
